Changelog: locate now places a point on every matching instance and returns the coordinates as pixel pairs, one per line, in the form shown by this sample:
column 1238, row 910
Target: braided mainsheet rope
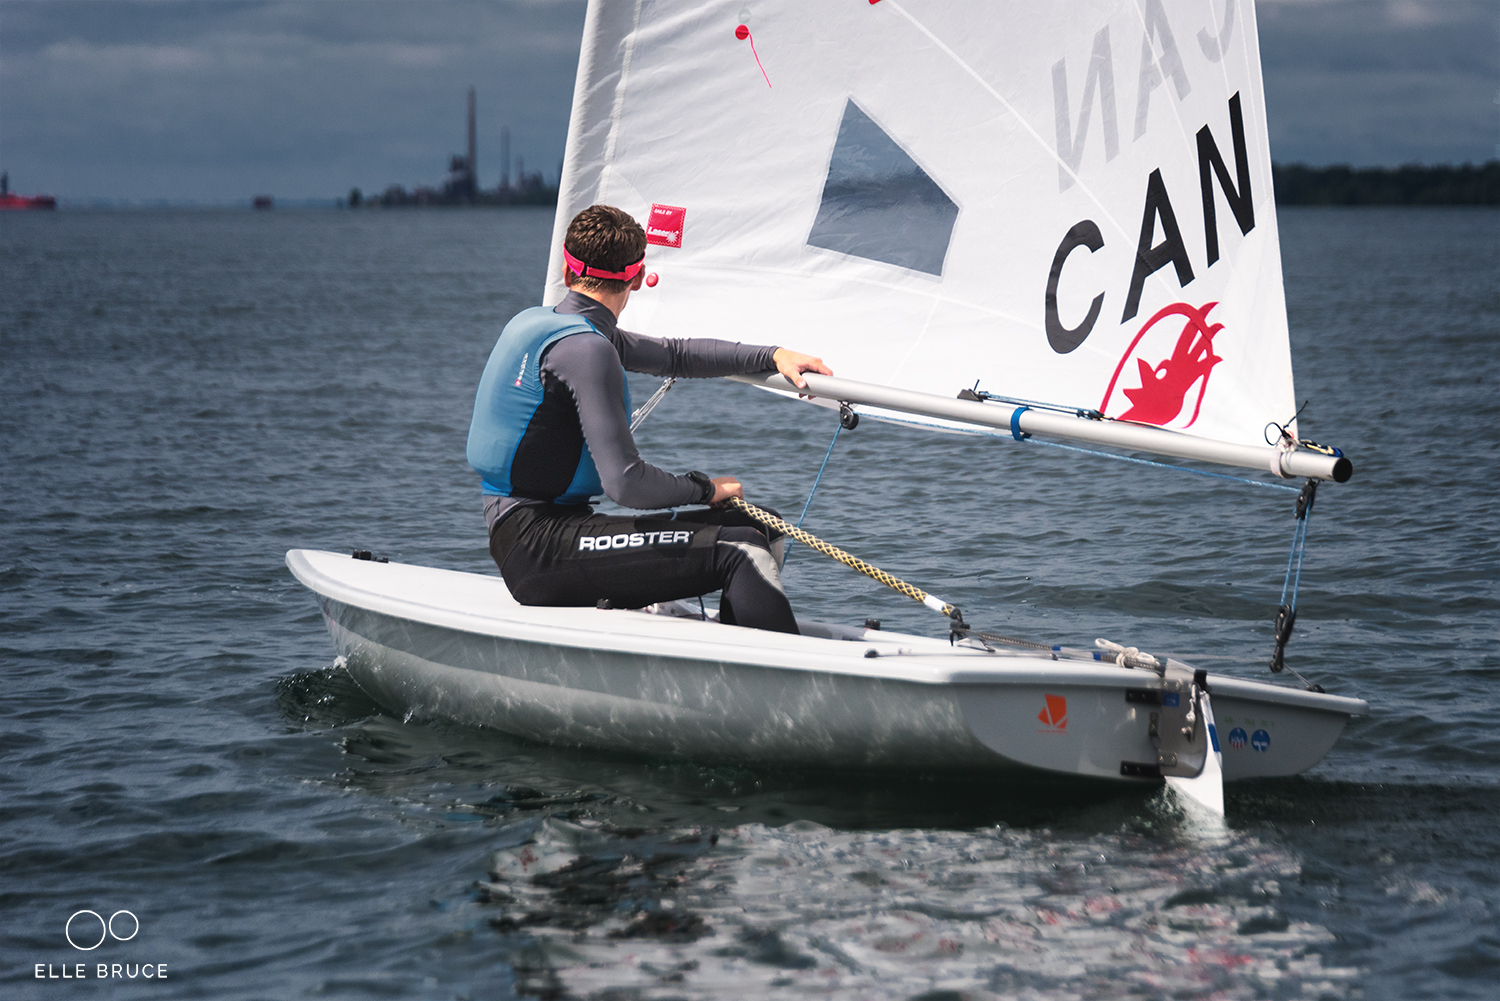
column 848, row 559
column 960, row 628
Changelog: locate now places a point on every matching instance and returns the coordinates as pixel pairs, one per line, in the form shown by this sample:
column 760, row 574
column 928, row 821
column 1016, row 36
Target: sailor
column 551, row 431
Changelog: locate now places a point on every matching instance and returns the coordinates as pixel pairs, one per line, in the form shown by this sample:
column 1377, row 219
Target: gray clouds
column 1382, row 82
column 214, row 101
column 301, row 98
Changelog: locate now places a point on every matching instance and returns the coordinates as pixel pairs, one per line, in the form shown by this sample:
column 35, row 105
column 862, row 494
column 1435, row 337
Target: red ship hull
column 25, row 202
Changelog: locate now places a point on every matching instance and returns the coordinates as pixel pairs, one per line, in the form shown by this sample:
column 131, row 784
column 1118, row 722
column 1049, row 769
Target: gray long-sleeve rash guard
column 590, row 369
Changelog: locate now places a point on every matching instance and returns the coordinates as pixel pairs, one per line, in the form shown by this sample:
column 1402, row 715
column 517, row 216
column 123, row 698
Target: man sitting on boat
column 551, row 431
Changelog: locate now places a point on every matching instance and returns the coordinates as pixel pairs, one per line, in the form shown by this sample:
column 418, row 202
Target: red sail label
column 665, row 224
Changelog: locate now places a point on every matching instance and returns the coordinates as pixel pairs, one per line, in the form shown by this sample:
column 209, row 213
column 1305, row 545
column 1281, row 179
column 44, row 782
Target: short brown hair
column 604, row 237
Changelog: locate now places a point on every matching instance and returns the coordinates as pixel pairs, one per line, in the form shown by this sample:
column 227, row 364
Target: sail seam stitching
column 618, row 111
column 1010, row 108
column 921, row 336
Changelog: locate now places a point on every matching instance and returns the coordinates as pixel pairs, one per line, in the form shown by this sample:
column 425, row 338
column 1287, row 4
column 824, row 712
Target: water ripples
column 189, row 394
column 901, row 914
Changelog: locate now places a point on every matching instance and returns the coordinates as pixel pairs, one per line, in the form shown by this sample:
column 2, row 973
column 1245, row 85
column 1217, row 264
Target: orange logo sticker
column 1055, row 716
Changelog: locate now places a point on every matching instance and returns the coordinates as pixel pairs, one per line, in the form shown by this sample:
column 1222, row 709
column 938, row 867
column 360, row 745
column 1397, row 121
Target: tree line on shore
column 531, row 190
column 1297, row 184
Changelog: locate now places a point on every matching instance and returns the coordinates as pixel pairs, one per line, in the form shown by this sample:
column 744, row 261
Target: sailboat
column 1034, row 221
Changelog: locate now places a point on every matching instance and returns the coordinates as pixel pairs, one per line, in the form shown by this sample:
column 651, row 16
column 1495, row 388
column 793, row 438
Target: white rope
column 1128, row 656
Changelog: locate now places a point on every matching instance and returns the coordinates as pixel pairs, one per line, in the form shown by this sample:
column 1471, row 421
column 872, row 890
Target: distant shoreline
column 1297, row 184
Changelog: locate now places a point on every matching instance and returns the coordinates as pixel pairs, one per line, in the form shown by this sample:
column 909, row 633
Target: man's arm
column 589, row 367
column 707, row 358
column 692, row 357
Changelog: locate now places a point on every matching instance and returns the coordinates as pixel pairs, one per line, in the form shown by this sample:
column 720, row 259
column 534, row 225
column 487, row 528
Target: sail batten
column 878, row 184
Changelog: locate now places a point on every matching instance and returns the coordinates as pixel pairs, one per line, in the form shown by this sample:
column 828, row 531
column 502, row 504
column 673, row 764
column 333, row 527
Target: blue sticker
column 1260, row 740
column 1171, row 699
column 1238, row 738
column 1213, row 738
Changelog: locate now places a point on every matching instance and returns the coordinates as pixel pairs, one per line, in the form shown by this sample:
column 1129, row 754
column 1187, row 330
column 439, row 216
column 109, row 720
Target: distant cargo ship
column 10, row 201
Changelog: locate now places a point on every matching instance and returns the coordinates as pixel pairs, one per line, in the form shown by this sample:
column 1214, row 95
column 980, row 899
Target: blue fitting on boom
column 1015, row 424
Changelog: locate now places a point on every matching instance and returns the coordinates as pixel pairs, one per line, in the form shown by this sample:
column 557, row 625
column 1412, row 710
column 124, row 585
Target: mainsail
column 1068, row 203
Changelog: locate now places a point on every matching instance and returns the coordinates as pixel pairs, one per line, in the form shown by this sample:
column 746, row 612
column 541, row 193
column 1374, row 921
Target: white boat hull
column 437, row 643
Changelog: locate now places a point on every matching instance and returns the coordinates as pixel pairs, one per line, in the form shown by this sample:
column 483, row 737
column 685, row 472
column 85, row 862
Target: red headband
column 582, row 270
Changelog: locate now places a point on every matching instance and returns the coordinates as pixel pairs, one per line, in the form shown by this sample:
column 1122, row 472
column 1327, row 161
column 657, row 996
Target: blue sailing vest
column 511, row 390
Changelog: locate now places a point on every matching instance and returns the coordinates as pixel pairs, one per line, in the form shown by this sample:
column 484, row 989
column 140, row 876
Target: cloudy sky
column 212, row 100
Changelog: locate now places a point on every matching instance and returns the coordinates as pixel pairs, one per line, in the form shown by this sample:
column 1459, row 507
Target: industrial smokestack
column 473, row 143
column 504, row 156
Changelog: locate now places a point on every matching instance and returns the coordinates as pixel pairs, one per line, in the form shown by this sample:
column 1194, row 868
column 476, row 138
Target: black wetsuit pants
column 567, row 555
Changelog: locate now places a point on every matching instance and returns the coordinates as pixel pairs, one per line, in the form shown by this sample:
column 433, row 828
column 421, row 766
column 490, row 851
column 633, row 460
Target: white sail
column 1060, row 202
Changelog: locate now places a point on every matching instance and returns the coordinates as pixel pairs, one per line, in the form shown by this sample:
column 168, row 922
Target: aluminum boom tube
column 1296, row 463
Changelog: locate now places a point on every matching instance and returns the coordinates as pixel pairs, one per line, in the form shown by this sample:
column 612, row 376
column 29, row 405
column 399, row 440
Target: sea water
column 189, row 780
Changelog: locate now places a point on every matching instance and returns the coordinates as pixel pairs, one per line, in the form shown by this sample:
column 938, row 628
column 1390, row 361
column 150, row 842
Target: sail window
column 878, row 204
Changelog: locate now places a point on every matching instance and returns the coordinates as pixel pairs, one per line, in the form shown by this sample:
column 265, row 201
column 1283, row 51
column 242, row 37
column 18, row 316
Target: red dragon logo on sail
column 1162, row 396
